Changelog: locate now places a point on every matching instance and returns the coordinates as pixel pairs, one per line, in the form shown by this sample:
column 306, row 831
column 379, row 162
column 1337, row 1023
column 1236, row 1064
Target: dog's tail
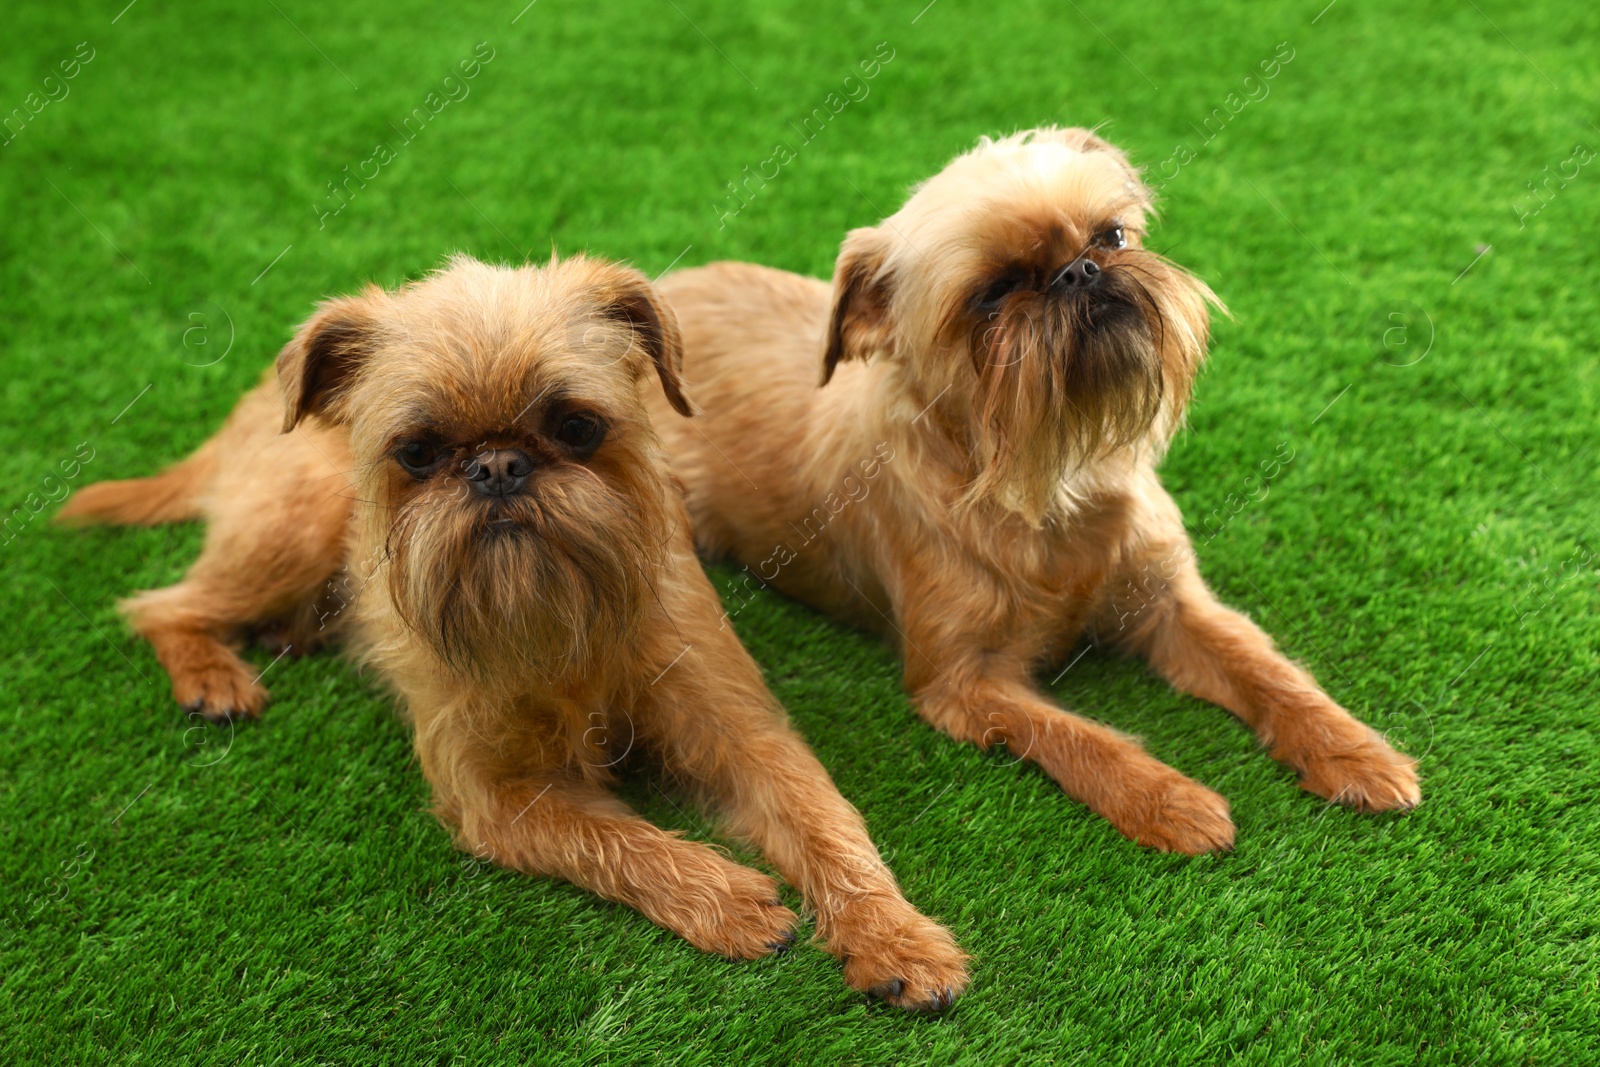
column 174, row 495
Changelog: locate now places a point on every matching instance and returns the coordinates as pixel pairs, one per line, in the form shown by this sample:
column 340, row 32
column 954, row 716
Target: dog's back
column 770, row 461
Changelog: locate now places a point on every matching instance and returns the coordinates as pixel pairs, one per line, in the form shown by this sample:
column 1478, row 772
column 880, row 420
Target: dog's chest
column 1055, row 577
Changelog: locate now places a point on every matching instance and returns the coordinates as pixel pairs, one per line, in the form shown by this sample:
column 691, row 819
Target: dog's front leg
column 1216, row 654
column 1147, row 801
column 552, row 824
column 985, row 697
column 714, row 722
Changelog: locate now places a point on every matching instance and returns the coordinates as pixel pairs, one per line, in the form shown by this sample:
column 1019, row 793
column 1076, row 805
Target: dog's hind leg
column 267, row 556
column 278, row 507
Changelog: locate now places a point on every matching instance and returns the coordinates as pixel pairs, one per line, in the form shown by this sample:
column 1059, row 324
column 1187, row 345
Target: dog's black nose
column 1081, row 273
column 499, row 472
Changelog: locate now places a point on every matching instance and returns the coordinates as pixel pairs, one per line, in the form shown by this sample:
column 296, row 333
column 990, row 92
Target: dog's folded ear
column 859, row 323
column 630, row 298
column 315, row 367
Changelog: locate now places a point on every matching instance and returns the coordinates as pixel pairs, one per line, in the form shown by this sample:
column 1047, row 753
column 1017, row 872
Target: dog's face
column 1015, row 285
column 514, row 483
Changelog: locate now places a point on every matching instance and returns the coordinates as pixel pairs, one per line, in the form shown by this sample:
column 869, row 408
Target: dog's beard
column 1064, row 378
column 555, row 581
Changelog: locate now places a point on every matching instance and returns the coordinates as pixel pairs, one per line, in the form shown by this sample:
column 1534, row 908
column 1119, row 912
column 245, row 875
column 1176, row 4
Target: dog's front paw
column 1368, row 777
column 1178, row 814
column 909, row 962
column 732, row 911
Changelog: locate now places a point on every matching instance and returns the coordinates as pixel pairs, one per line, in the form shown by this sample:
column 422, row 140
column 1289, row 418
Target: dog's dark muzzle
column 1081, row 274
column 499, row 473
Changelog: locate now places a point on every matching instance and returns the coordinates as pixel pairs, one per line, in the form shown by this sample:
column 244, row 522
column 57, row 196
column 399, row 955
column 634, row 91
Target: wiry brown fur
column 1019, row 509
column 538, row 637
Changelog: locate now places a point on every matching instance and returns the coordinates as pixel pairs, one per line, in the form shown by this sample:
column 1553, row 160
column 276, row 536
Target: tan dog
column 1001, row 365
column 532, row 594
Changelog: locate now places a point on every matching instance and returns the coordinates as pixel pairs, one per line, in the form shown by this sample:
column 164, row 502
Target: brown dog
column 531, row 592
column 1003, row 364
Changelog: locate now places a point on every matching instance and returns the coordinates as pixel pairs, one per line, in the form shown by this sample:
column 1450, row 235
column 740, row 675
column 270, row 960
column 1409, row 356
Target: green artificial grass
column 278, row 892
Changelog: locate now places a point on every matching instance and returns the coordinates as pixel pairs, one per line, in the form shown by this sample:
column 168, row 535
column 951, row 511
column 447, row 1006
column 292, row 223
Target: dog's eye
column 1112, row 238
column 1000, row 290
column 581, row 433
column 417, row 456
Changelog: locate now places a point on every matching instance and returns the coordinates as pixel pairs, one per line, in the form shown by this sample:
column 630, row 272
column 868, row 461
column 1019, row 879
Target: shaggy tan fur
column 474, row 449
column 1011, row 415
